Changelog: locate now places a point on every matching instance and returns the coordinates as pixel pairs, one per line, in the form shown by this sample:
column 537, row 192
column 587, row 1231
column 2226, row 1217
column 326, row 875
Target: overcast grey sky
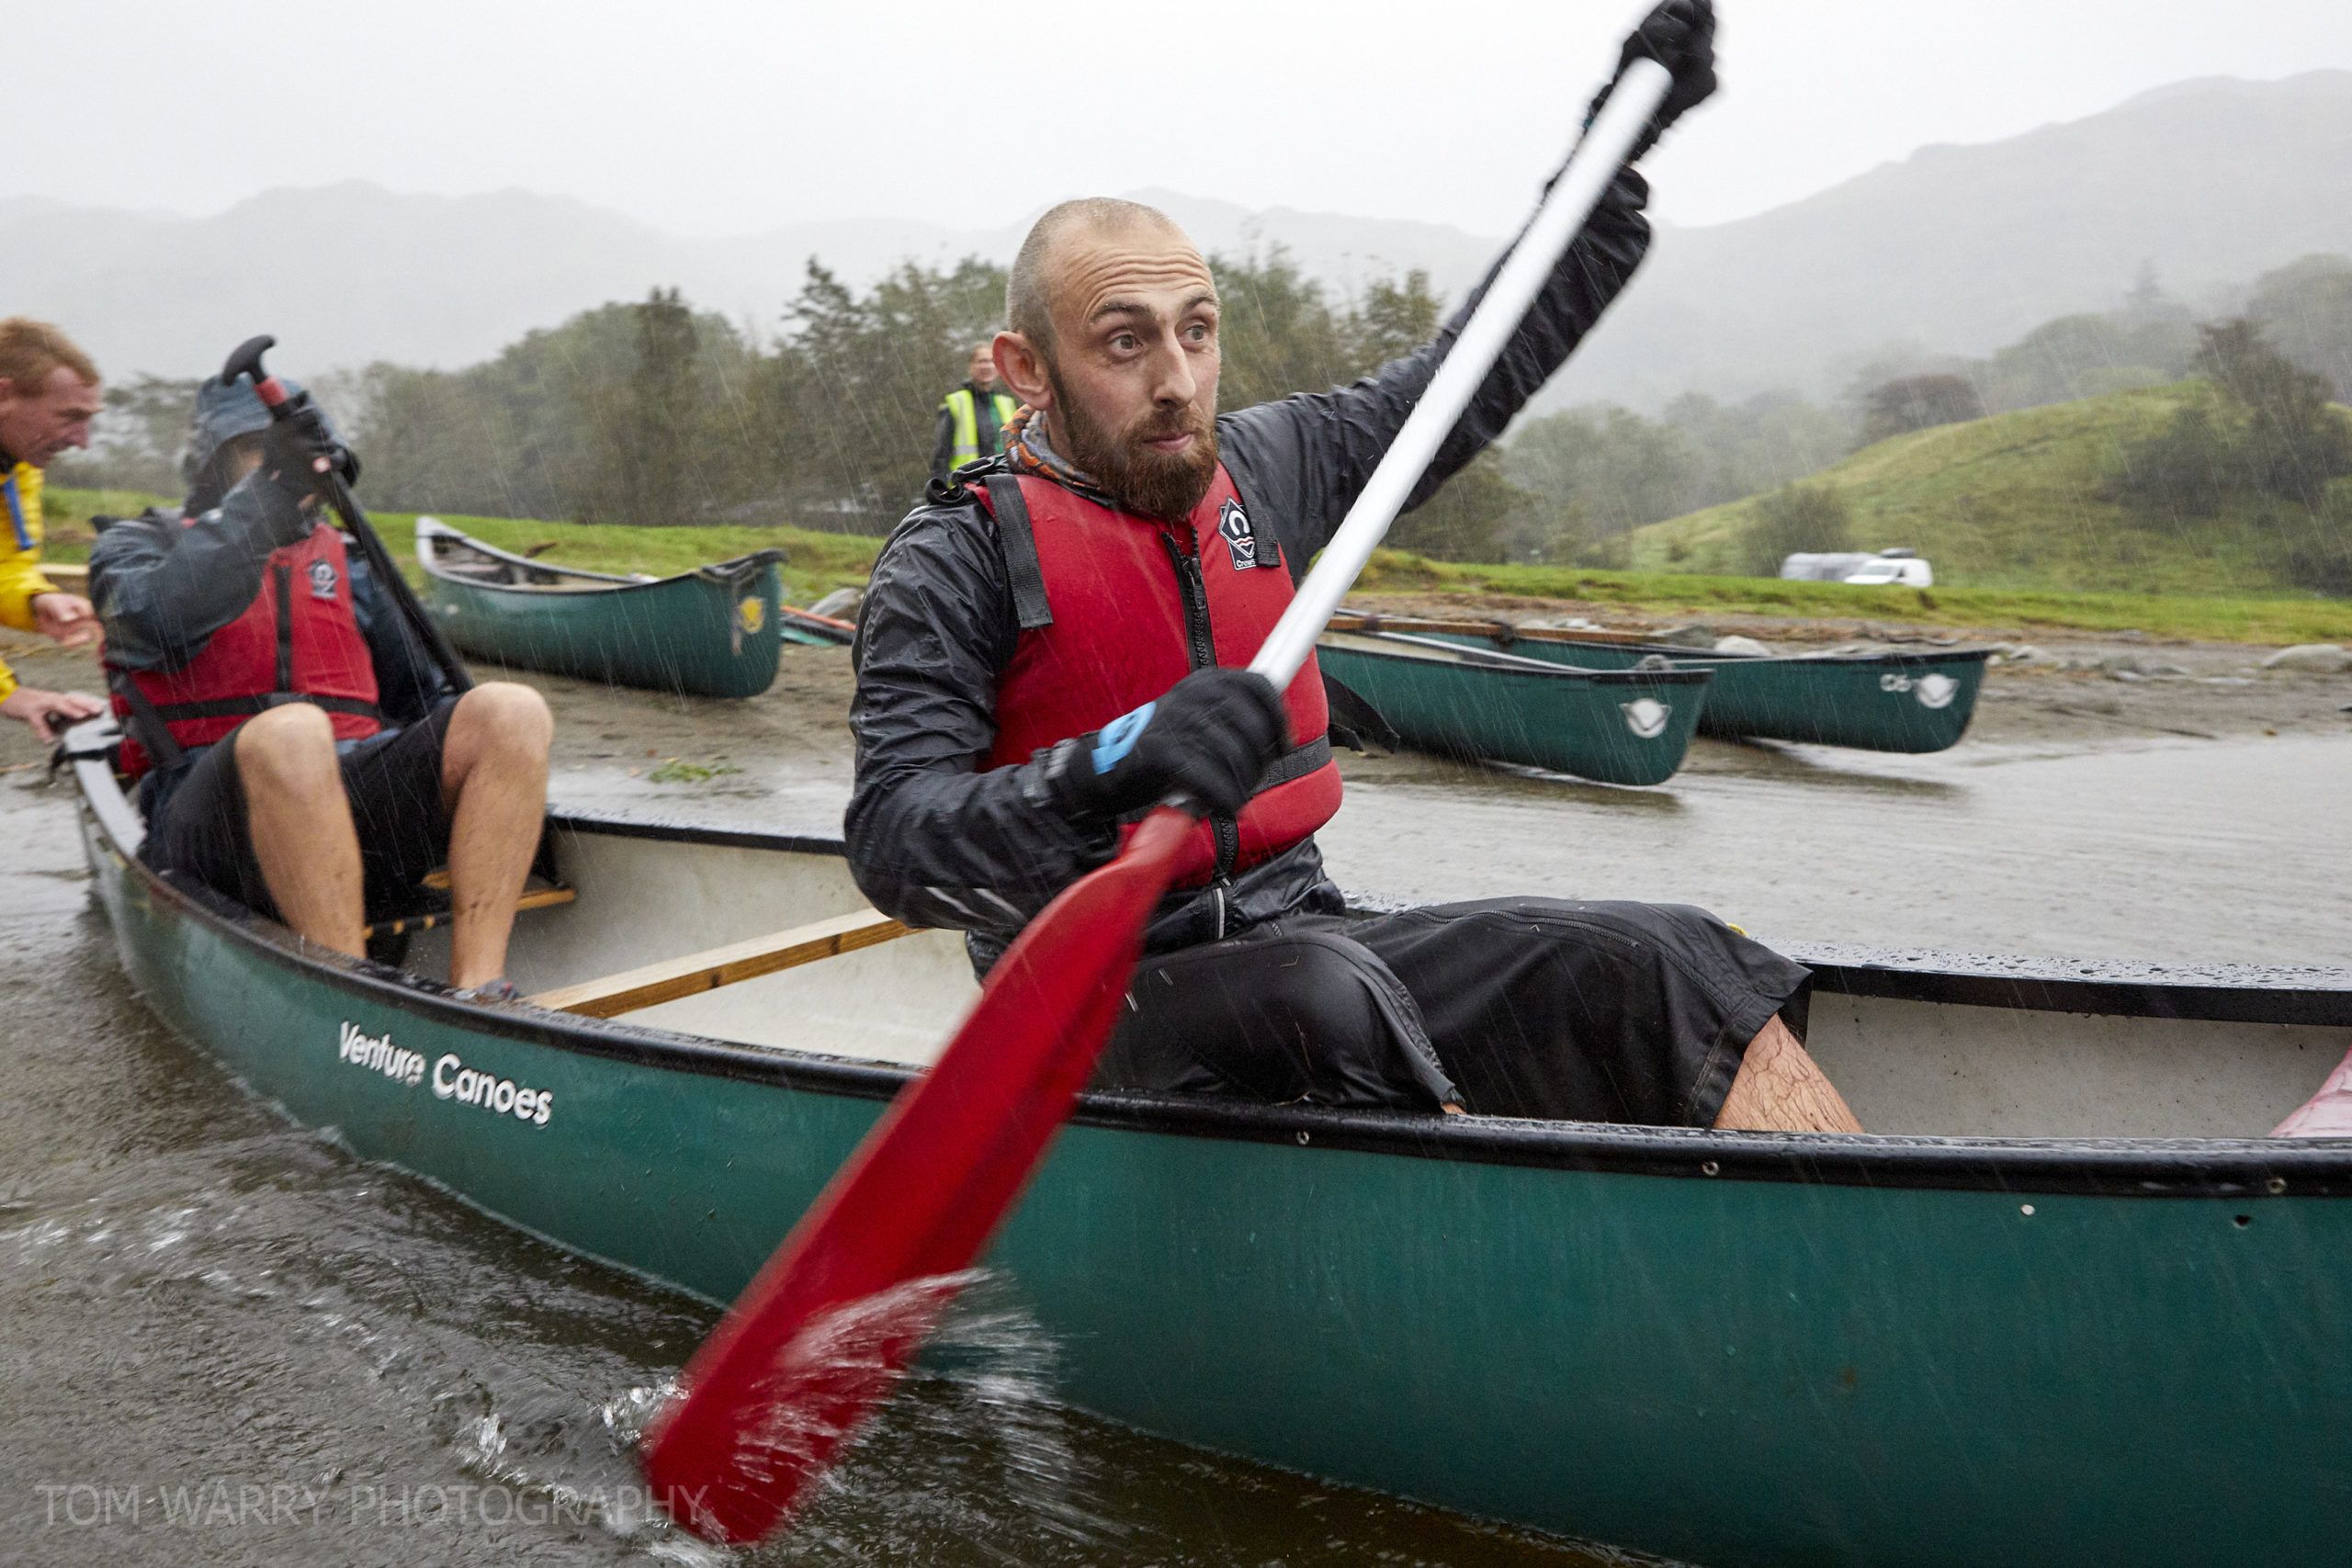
column 717, row 116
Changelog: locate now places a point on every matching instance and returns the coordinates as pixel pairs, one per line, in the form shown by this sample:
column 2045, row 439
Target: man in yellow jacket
column 49, row 394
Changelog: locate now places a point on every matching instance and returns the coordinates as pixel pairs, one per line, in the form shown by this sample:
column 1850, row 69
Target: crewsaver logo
column 322, row 580
column 1233, row 527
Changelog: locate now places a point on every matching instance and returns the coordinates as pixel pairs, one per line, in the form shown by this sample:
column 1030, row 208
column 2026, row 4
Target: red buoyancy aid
column 1128, row 608
column 298, row 641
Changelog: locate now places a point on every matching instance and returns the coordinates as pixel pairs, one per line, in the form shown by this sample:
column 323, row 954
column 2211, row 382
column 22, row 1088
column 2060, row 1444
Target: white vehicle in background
column 1898, row 568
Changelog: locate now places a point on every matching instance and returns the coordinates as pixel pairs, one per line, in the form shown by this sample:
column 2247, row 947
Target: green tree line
column 654, row 413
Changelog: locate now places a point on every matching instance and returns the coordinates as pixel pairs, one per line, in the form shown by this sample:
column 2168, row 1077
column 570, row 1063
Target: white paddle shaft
column 1639, row 92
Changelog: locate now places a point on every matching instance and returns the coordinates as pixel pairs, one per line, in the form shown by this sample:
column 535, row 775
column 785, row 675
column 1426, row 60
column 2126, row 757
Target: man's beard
column 1147, row 483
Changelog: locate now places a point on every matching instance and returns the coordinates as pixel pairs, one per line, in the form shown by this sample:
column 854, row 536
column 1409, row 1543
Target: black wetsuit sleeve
column 1301, row 462
column 162, row 588
column 408, row 683
column 932, row 839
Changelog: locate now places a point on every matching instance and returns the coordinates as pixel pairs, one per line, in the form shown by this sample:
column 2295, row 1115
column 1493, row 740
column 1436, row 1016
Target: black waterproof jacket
column 162, row 588
column 935, row 841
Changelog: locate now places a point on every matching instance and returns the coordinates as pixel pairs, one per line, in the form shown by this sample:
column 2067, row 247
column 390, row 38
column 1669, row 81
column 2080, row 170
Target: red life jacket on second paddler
column 298, row 641
column 1115, row 609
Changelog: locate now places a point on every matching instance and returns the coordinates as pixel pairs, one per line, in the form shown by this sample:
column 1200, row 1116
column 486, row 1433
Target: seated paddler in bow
column 298, row 749
column 1053, row 643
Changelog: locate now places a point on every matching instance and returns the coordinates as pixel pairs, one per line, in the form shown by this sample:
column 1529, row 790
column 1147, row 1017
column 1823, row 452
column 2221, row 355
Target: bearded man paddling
column 1053, row 643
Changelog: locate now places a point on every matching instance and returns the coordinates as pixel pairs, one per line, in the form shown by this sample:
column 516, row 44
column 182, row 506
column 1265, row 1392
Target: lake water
column 229, row 1342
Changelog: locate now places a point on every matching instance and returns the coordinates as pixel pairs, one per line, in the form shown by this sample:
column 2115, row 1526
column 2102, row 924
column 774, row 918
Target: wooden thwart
column 538, row 894
column 706, row 971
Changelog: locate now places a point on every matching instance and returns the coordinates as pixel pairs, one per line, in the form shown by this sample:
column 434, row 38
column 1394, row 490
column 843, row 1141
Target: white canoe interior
column 643, row 900
column 1906, row 1067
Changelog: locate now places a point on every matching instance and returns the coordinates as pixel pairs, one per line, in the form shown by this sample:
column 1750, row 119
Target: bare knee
column 286, row 748
column 504, row 715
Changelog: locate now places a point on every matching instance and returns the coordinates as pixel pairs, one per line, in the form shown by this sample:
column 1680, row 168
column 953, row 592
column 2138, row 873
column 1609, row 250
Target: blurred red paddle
column 831, row 1323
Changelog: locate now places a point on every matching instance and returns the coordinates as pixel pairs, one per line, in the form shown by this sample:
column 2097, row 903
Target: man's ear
column 1020, row 367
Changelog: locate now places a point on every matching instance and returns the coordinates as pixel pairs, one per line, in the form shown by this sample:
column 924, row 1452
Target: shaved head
column 1029, row 294
column 1112, row 318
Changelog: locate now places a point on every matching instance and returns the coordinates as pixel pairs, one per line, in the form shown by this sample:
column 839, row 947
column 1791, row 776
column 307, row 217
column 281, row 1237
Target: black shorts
column 392, row 781
column 1507, row 1007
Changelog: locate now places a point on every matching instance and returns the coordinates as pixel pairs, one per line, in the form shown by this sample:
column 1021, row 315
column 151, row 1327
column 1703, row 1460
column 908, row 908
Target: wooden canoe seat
column 708, row 970
column 539, row 893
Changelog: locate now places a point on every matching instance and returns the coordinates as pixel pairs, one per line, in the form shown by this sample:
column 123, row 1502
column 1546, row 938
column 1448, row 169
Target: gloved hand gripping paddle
column 832, row 1320
column 282, row 406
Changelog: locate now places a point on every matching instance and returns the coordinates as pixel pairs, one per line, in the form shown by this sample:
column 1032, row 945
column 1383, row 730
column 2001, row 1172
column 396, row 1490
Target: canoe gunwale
column 715, row 572
column 1425, row 651
column 1896, row 657
column 2193, row 1167
column 696, row 578
column 1502, row 634
column 2208, row 993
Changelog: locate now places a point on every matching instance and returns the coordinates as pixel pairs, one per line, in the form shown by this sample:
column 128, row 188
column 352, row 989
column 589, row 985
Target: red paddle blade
column 831, row 1323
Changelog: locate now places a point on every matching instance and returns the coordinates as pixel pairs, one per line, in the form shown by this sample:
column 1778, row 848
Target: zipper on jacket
column 1228, row 844
column 1200, row 652
column 1200, row 642
column 282, row 576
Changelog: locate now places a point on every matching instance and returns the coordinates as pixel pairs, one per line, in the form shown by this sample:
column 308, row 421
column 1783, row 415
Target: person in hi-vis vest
column 973, row 418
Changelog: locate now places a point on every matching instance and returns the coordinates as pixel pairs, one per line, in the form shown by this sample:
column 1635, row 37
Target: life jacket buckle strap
column 1018, row 541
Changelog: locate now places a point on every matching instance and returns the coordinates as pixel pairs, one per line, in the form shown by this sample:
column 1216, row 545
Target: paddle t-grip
column 245, row 360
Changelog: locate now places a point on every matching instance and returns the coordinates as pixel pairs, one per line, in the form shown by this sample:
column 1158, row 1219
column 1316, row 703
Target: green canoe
column 713, row 632
column 2068, row 1308
column 1617, row 725
column 1876, row 702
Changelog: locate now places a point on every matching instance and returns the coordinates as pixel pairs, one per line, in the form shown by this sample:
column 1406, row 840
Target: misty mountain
column 351, row 272
column 1957, row 248
column 1962, row 249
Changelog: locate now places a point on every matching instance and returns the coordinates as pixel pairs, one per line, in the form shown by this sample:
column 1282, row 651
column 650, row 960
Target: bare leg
column 300, row 824
column 1781, row 1089
column 2328, row 1113
column 495, row 787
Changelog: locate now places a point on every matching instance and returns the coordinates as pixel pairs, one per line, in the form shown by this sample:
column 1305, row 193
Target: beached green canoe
column 1616, row 726
column 713, row 632
column 1896, row 701
column 2068, row 1309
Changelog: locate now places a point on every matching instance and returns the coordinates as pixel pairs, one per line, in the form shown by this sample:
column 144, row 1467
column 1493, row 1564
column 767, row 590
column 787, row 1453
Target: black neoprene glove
column 1680, row 35
column 291, row 447
column 1210, row 737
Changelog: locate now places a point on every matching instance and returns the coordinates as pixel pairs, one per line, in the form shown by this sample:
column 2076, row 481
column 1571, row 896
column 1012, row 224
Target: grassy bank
column 2016, row 501
column 2256, row 620
column 820, row 562
column 815, row 564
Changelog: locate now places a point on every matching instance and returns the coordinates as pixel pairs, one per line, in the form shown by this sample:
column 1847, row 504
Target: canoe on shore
column 1623, row 727
column 1896, row 701
column 713, row 632
column 2067, row 1307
